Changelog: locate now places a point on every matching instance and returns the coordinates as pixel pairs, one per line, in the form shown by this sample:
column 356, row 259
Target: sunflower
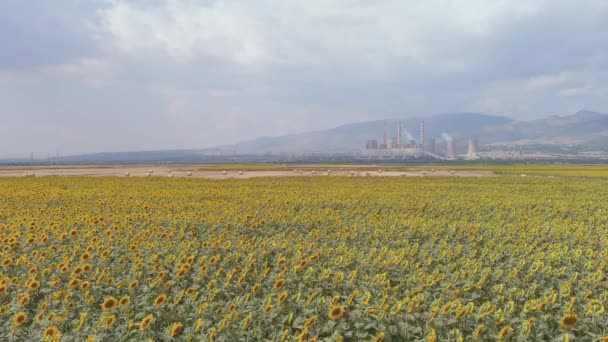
column 19, row 318
column 85, row 285
column 310, row 321
column 133, row 285
column 477, row 334
column 110, row 321
column 124, row 301
column 268, row 309
column 146, row 322
column 505, row 332
column 33, row 284
column 176, row 329
column 51, row 331
column 279, row 283
column 3, row 288
column 595, row 307
column 285, row 335
column 336, row 312
column 86, row 267
column 379, row 337
column 77, row 271
column 283, row 297
column 109, row 303
column 303, row 335
column 73, row 283
column 160, row 300
column 569, row 321
column 190, row 291
column 432, row 336
column 247, row 321
column 85, row 257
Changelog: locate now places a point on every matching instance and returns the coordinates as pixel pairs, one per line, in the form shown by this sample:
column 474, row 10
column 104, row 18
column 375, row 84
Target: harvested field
column 134, row 171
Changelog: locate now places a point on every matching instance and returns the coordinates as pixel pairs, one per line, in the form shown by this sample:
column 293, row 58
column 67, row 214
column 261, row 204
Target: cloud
column 197, row 73
column 40, row 33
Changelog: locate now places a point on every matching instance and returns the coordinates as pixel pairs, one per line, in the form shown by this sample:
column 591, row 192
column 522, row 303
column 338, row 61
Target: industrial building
column 395, row 148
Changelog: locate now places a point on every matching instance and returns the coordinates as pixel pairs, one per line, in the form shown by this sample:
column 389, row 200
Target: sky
column 82, row 76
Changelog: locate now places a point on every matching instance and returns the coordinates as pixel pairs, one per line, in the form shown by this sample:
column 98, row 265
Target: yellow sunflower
column 160, row 300
column 505, row 332
column 109, row 304
column 279, row 283
column 569, row 321
column 595, row 307
column 336, row 312
column 19, row 318
column 133, row 285
column 146, row 322
column 51, row 331
column 176, row 329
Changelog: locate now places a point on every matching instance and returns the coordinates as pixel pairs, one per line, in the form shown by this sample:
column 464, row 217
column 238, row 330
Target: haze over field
column 85, row 76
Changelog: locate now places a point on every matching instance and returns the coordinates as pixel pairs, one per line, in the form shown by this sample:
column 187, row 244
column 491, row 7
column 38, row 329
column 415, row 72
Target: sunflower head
column 279, row 283
column 176, row 329
column 505, row 332
column 51, row 331
column 146, row 322
column 33, row 284
column 595, row 307
column 124, row 301
column 569, row 321
column 336, row 312
column 19, row 318
column 160, row 300
column 268, row 309
column 109, row 304
column 133, row 285
column 110, row 321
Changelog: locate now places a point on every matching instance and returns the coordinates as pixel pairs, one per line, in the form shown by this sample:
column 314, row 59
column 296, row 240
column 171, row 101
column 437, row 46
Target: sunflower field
column 304, row 259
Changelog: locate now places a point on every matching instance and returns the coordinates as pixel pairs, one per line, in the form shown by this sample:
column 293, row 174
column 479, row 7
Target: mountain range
column 584, row 129
column 580, row 132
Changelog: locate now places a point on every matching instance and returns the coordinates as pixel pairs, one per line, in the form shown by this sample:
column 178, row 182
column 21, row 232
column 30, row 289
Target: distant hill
column 584, row 130
column 352, row 137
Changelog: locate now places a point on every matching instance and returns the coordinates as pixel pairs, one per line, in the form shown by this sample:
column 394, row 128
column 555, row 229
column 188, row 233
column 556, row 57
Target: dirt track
column 186, row 172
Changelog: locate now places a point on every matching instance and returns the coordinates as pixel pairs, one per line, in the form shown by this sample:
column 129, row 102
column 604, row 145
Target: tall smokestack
column 399, row 134
column 422, row 133
column 385, row 138
column 450, row 149
column 473, row 148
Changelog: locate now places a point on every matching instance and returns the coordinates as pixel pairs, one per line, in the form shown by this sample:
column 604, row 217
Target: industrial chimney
column 422, row 134
column 399, row 134
column 385, row 137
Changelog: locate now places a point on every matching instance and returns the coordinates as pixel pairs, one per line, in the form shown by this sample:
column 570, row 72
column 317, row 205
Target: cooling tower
column 473, row 148
column 450, row 149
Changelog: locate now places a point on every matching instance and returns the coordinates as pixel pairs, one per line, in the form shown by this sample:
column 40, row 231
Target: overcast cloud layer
column 86, row 76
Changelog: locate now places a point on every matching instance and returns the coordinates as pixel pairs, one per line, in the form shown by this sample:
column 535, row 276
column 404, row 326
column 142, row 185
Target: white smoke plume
column 407, row 134
column 446, row 137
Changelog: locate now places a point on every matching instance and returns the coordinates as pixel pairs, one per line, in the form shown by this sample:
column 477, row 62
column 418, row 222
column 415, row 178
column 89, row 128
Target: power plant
column 395, row 147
